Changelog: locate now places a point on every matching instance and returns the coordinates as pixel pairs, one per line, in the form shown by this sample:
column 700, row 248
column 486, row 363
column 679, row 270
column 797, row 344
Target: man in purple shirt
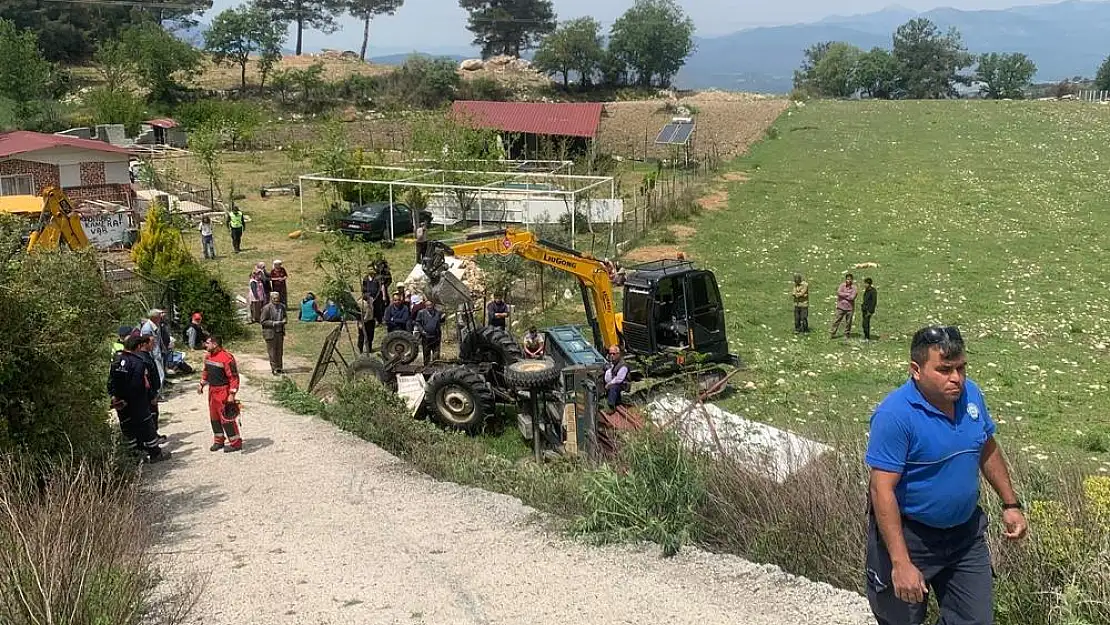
column 845, row 306
column 616, row 377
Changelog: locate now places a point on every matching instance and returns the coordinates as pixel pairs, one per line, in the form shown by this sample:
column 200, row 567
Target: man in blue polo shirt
column 930, row 438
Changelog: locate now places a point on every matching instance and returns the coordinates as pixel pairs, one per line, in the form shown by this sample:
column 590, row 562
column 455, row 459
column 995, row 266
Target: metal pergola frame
column 580, row 184
column 548, row 167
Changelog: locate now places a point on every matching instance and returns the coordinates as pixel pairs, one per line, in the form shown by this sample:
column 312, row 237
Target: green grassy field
column 988, row 215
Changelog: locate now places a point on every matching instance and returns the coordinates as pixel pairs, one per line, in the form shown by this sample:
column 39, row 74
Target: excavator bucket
column 448, row 290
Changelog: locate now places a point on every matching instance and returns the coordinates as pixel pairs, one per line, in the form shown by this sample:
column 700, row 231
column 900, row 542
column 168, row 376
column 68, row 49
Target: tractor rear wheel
column 401, row 346
column 370, row 367
column 490, row 344
column 459, row 398
column 532, row 374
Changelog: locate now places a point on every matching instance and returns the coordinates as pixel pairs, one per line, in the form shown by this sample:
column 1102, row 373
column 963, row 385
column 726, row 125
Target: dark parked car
column 370, row 222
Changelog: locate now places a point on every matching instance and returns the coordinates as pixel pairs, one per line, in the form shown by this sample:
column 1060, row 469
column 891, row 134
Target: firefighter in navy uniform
column 129, row 388
column 221, row 376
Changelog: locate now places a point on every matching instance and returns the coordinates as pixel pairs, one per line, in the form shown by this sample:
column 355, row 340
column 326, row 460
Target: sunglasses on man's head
column 937, row 334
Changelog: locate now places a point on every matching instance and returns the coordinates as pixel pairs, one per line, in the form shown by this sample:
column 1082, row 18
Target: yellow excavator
column 58, row 222
column 672, row 319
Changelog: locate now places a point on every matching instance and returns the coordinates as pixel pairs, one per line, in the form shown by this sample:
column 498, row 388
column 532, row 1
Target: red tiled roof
column 567, row 119
column 162, row 122
column 22, row 141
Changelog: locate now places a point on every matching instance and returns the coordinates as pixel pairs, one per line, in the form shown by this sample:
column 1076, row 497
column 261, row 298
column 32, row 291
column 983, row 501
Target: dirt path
column 309, row 524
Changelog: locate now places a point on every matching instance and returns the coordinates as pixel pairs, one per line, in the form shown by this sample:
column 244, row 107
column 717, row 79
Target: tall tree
column 24, row 73
column 653, row 38
column 367, row 10
column 160, row 58
column 811, row 56
column 930, row 62
column 315, row 14
column 576, row 46
column 1004, row 75
column 175, row 13
column 238, row 33
column 877, row 73
column 508, row 26
column 830, row 70
column 1102, row 78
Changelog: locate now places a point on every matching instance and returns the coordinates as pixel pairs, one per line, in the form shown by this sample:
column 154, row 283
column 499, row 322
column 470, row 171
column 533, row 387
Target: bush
column 55, row 320
column 422, row 83
column 654, row 495
column 74, row 548
column 161, row 254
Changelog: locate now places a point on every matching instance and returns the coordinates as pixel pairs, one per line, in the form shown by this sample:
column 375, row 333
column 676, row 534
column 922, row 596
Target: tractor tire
column 490, row 344
column 459, row 399
column 370, row 367
column 401, row 346
column 532, row 374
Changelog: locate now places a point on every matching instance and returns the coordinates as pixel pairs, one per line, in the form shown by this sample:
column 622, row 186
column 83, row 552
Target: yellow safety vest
column 235, row 219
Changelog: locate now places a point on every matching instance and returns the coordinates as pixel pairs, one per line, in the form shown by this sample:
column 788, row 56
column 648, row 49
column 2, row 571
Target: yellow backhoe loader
column 58, row 222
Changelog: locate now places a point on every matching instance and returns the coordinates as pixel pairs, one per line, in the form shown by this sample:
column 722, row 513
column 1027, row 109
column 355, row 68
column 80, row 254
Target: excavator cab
column 672, row 308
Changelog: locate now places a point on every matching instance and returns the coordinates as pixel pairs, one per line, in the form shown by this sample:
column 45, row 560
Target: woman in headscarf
column 278, row 279
column 256, row 292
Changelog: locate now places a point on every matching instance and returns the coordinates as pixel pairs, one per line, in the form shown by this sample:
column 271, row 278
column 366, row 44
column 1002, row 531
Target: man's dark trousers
column 867, row 324
column 801, row 319
column 955, row 563
column 236, row 238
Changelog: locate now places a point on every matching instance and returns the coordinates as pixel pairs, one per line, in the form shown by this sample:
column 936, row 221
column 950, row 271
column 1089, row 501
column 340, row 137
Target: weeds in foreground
column 75, row 548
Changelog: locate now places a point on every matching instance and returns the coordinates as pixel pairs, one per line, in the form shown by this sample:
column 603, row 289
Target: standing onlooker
column 256, row 293
column 128, row 387
column 930, row 439
column 801, row 304
column 845, row 306
column 236, row 223
column 397, row 315
column 616, row 377
column 366, row 325
column 429, row 325
column 273, row 320
column 150, row 327
column 533, row 343
column 497, row 312
column 153, row 387
column 278, row 279
column 207, row 238
column 221, row 376
column 870, row 299
column 421, row 240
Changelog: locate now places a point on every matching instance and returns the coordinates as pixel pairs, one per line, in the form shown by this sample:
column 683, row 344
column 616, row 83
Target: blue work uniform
column 938, row 497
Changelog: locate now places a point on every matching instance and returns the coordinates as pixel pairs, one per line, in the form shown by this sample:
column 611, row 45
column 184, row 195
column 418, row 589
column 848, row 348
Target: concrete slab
column 764, row 448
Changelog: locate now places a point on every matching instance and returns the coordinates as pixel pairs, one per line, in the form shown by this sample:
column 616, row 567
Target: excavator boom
column 58, row 222
column 591, row 273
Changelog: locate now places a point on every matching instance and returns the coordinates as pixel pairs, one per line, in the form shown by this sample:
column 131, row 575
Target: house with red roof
column 86, row 169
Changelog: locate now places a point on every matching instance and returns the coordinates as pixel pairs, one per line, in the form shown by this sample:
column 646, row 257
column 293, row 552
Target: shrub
column 161, row 254
column 654, row 495
column 74, row 548
column 422, row 83
column 55, row 320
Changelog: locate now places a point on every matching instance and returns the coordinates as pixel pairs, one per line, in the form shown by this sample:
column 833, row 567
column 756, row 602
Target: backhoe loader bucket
column 448, row 290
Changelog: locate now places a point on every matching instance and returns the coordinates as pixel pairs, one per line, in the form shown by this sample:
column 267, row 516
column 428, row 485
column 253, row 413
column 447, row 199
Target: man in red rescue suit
column 221, row 375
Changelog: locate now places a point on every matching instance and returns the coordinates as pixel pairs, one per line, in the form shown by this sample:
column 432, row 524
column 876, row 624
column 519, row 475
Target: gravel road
column 309, row 524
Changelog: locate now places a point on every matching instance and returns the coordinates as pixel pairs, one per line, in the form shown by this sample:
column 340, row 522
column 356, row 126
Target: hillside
column 1064, row 39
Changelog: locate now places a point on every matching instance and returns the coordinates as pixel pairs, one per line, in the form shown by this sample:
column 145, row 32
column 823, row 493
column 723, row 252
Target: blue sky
column 439, row 26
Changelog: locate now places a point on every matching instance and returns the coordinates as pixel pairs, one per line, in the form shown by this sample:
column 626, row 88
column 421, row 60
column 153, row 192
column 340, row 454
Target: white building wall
column 74, row 156
column 522, row 209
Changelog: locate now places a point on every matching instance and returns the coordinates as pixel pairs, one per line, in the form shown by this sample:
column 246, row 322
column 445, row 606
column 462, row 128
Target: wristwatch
column 1013, row 506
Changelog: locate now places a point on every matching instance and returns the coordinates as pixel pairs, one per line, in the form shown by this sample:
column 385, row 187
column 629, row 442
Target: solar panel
column 675, row 133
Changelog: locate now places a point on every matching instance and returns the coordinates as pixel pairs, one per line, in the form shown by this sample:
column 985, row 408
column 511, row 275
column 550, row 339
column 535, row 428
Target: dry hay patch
column 649, row 253
column 735, row 176
column 715, row 201
column 683, row 233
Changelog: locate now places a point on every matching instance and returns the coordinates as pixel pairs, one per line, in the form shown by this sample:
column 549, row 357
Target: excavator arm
column 58, row 221
column 591, row 273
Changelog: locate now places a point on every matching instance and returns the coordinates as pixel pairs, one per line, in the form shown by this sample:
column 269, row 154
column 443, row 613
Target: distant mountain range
column 1064, row 40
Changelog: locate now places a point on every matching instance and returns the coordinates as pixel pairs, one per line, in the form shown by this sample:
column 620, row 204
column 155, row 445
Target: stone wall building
column 85, row 169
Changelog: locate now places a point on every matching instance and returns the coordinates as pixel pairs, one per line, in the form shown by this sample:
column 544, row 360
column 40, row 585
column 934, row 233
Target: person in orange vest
column 221, row 376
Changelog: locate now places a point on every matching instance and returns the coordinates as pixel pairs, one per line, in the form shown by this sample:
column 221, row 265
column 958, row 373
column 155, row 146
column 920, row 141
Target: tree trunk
column 243, row 74
column 300, row 31
column 365, row 36
column 566, row 79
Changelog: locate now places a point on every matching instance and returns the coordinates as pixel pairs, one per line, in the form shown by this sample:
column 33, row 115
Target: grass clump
column 75, row 547
column 652, row 493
